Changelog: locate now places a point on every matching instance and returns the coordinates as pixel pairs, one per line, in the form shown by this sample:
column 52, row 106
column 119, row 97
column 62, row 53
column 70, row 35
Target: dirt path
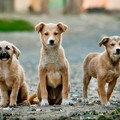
column 82, row 37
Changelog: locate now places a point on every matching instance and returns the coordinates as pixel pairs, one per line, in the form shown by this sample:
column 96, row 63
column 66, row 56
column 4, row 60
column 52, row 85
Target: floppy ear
column 62, row 27
column 104, row 41
column 39, row 27
column 16, row 51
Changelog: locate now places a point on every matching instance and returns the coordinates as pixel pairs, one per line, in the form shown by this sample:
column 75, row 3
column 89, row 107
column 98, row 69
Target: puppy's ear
column 62, row 27
column 104, row 41
column 39, row 27
column 16, row 51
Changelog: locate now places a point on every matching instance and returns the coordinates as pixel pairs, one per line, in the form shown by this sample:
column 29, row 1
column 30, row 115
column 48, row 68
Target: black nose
column 4, row 54
column 51, row 41
column 118, row 51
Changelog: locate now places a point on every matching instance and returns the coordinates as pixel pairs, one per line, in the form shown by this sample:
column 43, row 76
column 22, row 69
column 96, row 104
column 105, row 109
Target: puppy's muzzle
column 117, row 51
column 4, row 56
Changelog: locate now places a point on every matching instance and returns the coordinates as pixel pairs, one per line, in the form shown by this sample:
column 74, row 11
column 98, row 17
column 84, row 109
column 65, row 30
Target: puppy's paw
column 67, row 102
column 44, row 103
column 13, row 104
column 108, row 106
column 3, row 104
column 85, row 100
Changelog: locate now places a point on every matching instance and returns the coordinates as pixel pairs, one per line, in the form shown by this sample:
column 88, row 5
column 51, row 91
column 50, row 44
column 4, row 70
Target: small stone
column 33, row 109
column 7, row 108
column 38, row 110
column 7, row 114
column 15, row 118
column 62, row 117
column 31, row 118
column 71, row 114
column 101, row 117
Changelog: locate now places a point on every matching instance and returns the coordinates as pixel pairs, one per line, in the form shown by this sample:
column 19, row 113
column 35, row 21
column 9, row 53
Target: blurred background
column 88, row 21
column 65, row 6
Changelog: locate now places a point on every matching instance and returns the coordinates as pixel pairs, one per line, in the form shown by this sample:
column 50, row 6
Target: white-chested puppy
column 53, row 71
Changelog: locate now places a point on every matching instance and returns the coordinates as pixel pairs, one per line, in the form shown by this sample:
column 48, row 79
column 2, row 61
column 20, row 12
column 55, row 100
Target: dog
column 12, row 84
column 105, row 67
column 53, row 69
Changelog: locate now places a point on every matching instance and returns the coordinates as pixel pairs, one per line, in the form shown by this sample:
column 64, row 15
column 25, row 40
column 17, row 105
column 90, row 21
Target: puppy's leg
column 102, row 92
column 23, row 96
column 38, row 92
column 43, row 88
column 86, row 81
column 14, row 93
column 65, row 88
column 4, row 95
column 110, row 88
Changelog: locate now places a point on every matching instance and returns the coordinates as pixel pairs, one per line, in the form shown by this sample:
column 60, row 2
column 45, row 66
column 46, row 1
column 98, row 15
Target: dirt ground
column 82, row 37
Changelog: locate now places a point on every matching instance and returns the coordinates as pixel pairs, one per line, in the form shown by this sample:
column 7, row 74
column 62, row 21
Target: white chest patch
column 54, row 79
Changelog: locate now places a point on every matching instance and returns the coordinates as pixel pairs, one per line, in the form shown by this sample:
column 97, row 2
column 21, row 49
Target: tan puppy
column 12, row 84
column 54, row 84
column 105, row 67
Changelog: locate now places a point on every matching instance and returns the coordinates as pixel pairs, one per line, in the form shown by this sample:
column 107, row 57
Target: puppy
column 53, row 70
column 12, row 84
column 105, row 67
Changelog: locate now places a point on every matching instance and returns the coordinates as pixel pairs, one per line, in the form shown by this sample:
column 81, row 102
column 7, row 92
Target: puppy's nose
column 4, row 54
column 118, row 51
column 51, row 42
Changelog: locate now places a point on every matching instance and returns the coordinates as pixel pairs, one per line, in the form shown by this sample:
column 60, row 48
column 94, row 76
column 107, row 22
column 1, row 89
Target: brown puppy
column 53, row 71
column 12, row 84
column 105, row 67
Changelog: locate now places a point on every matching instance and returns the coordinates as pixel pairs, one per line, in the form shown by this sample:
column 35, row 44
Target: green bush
column 9, row 25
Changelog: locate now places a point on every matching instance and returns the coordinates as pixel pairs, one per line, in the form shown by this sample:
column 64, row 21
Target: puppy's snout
column 118, row 51
column 51, row 42
column 4, row 54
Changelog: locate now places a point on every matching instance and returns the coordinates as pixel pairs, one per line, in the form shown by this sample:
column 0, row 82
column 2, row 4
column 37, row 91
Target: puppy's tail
column 32, row 100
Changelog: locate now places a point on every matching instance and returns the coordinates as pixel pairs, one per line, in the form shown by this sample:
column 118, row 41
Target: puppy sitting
column 105, row 67
column 12, row 84
column 53, row 71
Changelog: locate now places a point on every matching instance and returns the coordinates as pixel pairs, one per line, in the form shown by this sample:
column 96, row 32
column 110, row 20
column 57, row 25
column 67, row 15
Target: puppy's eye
column 7, row 48
column 46, row 34
column 55, row 33
column 112, row 44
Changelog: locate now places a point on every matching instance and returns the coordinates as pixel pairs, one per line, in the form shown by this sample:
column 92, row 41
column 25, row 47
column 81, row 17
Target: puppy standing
column 12, row 84
column 53, row 67
column 105, row 67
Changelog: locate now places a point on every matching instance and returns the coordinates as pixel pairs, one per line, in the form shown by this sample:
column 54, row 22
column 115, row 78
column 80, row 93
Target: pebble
column 7, row 108
column 15, row 118
column 31, row 118
column 62, row 117
column 101, row 117
column 71, row 113
column 38, row 110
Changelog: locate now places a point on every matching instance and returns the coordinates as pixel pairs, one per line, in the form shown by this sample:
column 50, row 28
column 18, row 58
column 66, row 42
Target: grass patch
column 9, row 25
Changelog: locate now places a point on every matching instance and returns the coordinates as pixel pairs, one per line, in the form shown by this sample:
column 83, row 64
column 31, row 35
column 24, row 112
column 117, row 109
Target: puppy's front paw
column 4, row 104
column 108, row 106
column 85, row 100
column 67, row 102
column 13, row 104
column 44, row 103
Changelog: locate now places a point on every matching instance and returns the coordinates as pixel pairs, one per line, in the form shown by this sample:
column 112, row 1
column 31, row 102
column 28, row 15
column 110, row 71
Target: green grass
column 9, row 25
